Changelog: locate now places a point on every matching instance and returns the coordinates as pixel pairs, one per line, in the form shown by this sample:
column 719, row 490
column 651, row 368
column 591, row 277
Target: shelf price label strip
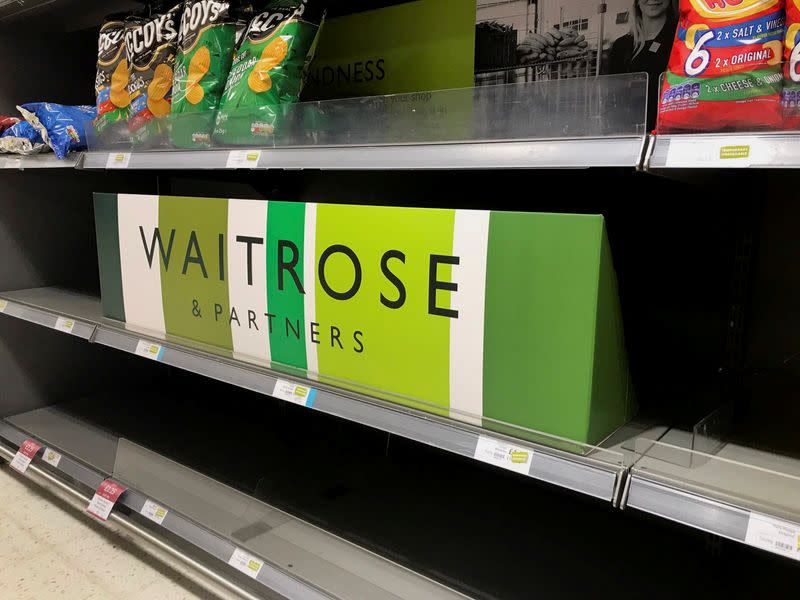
column 718, row 152
column 110, row 493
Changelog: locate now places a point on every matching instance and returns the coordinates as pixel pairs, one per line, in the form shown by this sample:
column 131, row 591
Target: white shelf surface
column 596, row 472
column 780, row 150
column 300, row 561
column 38, row 161
column 719, row 493
column 624, row 151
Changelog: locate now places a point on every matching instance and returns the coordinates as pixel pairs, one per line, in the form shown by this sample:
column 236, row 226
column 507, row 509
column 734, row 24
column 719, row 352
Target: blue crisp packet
column 63, row 128
column 24, row 130
column 22, row 138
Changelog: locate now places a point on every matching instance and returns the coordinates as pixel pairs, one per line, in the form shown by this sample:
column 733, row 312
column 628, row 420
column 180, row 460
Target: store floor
column 49, row 549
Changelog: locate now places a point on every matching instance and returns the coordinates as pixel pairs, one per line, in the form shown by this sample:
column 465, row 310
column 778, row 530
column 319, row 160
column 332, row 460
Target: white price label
column 294, row 392
column 243, row 159
column 503, row 454
column 22, row 459
column 51, row 457
column 727, row 151
column 246, row 563
column 154, row 512
column 774, row 535
column 3, row 305
column 118, row 160
column 149, row 350
column 104, row 499
column 65, row 325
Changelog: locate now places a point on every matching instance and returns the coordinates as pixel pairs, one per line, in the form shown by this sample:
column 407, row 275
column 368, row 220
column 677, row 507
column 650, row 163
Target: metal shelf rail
column 737, row 493
column 38, row 161
column 624, row 151
column 270, row 576
column 597, row 473
column 293, row 559
column 780, row 150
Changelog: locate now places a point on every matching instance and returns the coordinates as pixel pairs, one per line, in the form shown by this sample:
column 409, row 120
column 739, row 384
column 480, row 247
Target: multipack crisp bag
column 791, row 67
column 111, row 81
column 724, row 71
column 205, row 53
column 151, row 43
column 62, row 127
column 22, row 138
column 268, row 69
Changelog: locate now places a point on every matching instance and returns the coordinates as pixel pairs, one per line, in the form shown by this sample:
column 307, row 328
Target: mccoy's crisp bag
column 151, row 44
column 205, row 52
column 791, row 68
column 111, row 82
column 268, row 69
column 724, row 71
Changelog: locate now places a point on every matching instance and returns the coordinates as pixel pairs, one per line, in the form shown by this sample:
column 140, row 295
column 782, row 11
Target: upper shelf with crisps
column 190, row 84
column 212, row 81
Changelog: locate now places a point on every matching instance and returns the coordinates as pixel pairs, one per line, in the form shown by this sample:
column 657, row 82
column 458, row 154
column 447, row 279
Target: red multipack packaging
column 791, row 67
column 724, row 71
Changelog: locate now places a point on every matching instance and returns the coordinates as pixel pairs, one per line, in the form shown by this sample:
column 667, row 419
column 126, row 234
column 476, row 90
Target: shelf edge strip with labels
column 583, row 474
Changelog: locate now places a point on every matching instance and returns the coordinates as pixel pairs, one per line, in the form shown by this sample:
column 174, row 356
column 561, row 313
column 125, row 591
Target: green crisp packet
column 268, row 70
column 205, row 52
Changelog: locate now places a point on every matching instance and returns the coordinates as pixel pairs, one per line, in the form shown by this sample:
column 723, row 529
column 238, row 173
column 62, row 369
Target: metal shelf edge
column 81, row 329
column 548, row 153
column 692, row 509
column 270, row 576
column 777, row 150
column 546, row 466
column 571, row 471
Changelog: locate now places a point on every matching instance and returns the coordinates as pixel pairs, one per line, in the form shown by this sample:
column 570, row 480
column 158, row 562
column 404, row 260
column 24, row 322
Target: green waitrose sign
column 483, row 316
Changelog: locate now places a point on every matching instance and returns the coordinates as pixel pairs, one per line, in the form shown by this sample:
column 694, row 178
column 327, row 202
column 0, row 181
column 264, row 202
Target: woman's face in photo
column 652, row 9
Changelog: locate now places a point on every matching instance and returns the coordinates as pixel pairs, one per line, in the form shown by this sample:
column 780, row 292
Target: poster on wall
column 404, row 46
column 526, row 40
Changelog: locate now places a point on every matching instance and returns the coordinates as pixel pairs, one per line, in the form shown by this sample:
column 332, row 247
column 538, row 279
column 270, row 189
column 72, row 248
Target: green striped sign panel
column 488, row 317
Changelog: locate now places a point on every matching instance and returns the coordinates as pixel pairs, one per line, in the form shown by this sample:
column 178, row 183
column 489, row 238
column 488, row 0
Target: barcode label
column 774, row 535
column 149, row 350
column 294, row 392
column 51, row 457
column 246, row 563
column 243, row 159
column 65, row 325
column 503, row 454
column 118, row 160
column 154, row 512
